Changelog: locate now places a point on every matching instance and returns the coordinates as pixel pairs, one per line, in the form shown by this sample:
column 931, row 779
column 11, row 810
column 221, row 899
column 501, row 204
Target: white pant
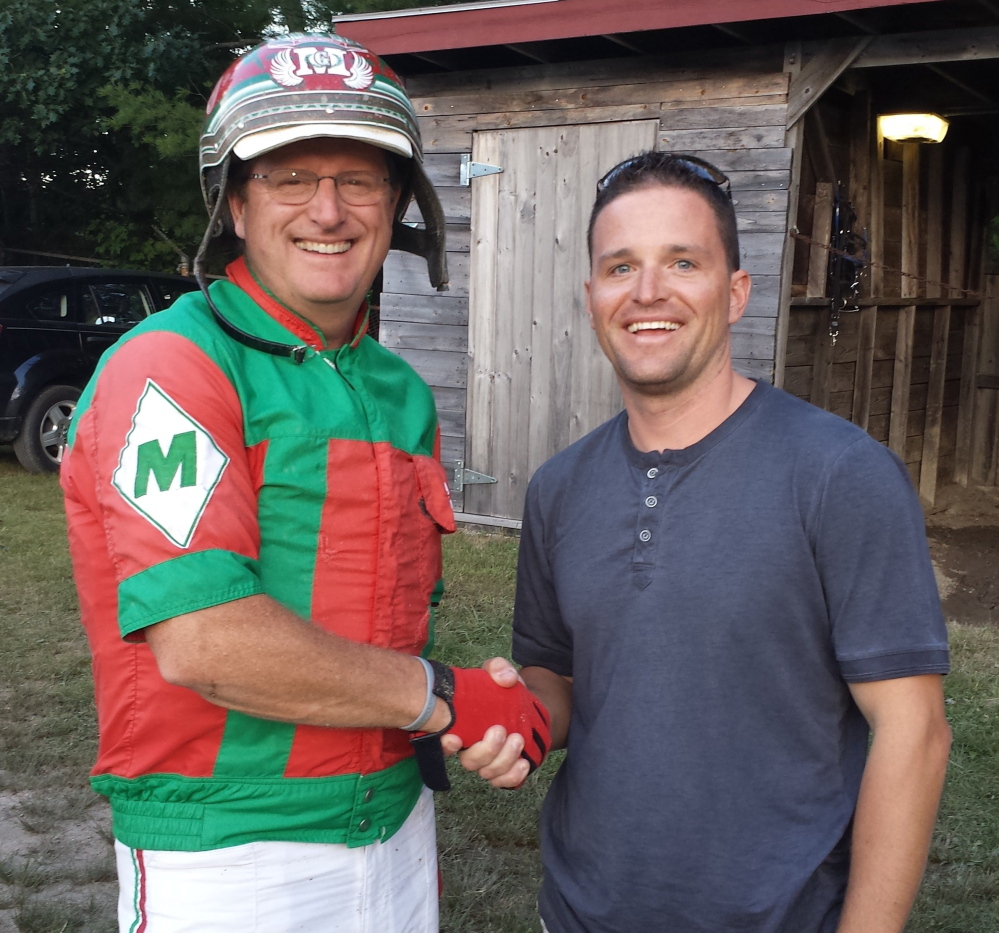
column 286, row 887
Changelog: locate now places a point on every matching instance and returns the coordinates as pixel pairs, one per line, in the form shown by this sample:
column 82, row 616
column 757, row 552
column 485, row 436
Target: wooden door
column 537, row 379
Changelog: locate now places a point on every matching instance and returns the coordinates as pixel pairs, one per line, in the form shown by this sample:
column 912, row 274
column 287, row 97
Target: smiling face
column 321, row 257
column 661, row 295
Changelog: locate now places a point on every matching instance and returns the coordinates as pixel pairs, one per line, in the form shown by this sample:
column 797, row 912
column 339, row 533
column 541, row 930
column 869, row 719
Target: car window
column 115, row 304
column 50, row 306
column 166, row 293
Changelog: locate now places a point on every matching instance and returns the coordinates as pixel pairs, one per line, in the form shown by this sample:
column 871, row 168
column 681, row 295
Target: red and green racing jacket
column 200, row 471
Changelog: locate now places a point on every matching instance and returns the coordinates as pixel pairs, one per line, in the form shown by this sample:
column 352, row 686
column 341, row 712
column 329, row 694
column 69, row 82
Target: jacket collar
column 239, row 273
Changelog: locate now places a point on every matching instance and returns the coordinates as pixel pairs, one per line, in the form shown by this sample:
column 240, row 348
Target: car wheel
column 42, row 439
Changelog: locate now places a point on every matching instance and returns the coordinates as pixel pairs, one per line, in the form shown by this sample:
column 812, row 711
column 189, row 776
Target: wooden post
column 864, row 160
column 902, row 378
column 818, row 272
column 972, row 317
column 929, row 464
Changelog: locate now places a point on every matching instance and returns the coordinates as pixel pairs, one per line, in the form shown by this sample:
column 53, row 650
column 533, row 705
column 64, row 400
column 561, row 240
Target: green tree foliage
column 101, row 104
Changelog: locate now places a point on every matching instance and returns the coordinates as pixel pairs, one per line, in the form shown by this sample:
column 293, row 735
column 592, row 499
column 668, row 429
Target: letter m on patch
column 163, row 467
column 169, row 466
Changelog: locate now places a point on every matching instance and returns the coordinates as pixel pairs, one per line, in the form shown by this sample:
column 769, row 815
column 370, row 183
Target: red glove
column 477, row 702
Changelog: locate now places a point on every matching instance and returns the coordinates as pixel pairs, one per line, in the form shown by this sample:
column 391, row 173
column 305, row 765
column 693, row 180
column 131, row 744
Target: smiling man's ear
column 237, row 207
column 738, row 298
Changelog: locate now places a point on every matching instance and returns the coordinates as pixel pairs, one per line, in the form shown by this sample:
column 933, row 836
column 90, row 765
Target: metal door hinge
column 462, row 477
column 470, row 170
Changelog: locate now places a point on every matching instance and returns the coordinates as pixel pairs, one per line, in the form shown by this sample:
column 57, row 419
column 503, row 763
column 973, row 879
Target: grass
column 487, row 838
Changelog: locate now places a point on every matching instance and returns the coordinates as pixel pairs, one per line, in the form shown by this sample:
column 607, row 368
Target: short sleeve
column 160, row 488
column 873, row 559
column 540, row 637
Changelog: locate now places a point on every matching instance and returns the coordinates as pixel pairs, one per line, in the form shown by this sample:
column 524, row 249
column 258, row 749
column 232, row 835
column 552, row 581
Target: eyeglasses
column 298, row 186
column 692, row 164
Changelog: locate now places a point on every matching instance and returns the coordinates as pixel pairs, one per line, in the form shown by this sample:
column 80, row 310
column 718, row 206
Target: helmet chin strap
column 296, row 352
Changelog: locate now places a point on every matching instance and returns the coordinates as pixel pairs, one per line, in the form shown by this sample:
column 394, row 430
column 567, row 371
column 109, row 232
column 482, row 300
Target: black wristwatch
column 427, row 748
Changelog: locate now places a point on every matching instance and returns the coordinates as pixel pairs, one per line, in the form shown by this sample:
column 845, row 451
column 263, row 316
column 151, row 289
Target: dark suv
column 55, row 322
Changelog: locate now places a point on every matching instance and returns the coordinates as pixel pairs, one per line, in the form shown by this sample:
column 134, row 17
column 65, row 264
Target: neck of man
column 674, row 419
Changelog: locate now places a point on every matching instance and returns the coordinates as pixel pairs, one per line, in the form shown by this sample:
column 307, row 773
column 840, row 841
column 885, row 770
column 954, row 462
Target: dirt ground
column 56, row 865
column 963, row 531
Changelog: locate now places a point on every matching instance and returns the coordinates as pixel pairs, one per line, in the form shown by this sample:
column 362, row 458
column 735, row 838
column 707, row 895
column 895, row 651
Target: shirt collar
column 240, row 274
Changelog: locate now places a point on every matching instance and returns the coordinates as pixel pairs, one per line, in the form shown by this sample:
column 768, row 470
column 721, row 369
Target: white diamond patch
column 169, row 466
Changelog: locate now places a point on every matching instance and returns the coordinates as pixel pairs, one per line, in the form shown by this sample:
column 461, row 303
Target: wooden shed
column 524, row 104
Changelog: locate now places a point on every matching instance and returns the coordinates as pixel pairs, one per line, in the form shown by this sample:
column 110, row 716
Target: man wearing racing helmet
column 255, row 503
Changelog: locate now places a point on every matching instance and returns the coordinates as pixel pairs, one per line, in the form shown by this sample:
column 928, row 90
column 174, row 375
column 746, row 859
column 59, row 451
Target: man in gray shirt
column 721, row 592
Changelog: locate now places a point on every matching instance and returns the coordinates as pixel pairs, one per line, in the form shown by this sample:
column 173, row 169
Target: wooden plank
column 452, row 422
column 861, row 152
column 747, row 346
column 448, row 398
column 727, row 75
column 717, row 117
column 745, row 160
column 531, row 98
column 459, row 237
column 761, row 253
column 818, row 268
column 957, row 264
column 438, row 367
column 748, row 137
column 760, row 221
column 507, row 119
column 828, row 61
column 755, row 325
column 404, row 335
column 777, row 180
column 446, row 133
column 861, row 407
column 456, row 202
column 902, row 376
column 818, row 253
column 794, row 142
column 443, row 168
column 752, row 201
column 764, row 297
column 930, row 456
column 936, row 45
column 425, row 309
column 406, row 274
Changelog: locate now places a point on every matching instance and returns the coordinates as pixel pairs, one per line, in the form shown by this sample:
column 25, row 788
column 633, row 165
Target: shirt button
column 364, row 825
column 368, row 794
column 653, row 472
column 645, row 535
column 652, row 502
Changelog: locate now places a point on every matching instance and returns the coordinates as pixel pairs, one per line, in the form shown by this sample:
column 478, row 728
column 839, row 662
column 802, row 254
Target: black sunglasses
column 692, row 164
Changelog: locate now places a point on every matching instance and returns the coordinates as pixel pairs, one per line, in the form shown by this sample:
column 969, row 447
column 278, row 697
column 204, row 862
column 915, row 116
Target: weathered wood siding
column 732, row 114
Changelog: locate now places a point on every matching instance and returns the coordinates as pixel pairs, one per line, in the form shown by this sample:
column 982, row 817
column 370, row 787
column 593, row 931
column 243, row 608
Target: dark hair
column 671, row 170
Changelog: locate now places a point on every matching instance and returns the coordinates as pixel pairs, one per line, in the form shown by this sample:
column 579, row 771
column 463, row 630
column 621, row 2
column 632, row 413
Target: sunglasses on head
column 692, row 164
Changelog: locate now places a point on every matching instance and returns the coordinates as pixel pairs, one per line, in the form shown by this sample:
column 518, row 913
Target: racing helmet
column 304, row 86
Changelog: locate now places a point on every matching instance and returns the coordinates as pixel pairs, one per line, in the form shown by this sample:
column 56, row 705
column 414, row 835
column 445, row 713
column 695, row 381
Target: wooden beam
column 938, row 45
column 794, row 142
column 862, row 156
column 818, row 274
column 902, row 377
column 829, row 60
column 956, row 267
column 930, row 461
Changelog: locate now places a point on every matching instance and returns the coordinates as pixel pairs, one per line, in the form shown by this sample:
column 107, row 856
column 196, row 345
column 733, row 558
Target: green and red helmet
column 307, row 86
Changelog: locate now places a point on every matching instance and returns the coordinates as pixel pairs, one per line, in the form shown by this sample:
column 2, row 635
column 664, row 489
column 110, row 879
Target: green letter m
column 182, row 455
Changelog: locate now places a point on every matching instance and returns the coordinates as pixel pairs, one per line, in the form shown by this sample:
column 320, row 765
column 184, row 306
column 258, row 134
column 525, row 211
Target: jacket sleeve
column 160, row 487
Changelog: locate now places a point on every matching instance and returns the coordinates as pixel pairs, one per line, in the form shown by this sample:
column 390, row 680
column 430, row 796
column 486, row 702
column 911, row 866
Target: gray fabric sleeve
column 540, row 638
column 872, row 556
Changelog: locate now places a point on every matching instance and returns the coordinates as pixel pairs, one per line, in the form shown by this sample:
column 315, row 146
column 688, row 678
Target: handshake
column 477, row 702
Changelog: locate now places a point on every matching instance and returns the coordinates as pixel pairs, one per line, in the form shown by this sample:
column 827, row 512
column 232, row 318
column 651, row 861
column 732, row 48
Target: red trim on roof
column 566, row 19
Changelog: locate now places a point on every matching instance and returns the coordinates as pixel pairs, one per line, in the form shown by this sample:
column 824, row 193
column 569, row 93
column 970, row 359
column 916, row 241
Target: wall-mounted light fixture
column 913, row 127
